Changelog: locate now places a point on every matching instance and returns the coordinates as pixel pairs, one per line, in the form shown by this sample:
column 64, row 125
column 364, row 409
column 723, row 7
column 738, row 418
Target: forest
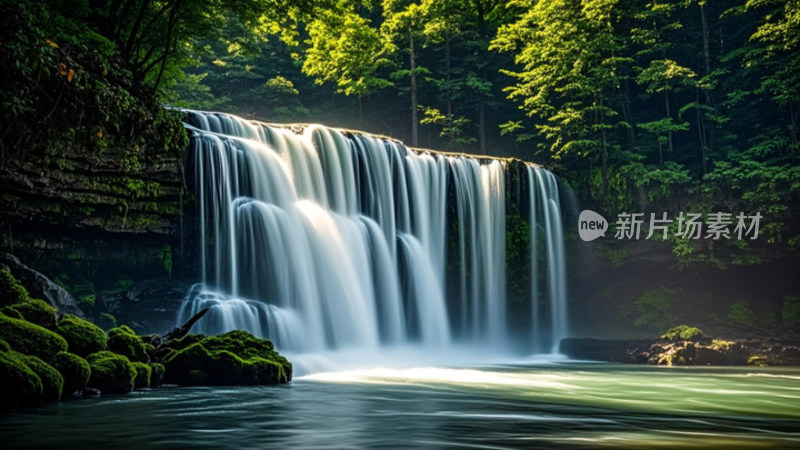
column 671, row 105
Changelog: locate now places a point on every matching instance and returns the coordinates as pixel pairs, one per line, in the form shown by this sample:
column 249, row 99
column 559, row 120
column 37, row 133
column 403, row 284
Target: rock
column 234, row 358
column 31, row 339
column 124, row 341
column 83, row 337
column 150, row 306
column 156, row 374
column 35, row 311
column 75, row 371
column 52, row 381
column 40, row 287
column 89, row 393
column 143, row 375
column 19, row 385
column 111, row 373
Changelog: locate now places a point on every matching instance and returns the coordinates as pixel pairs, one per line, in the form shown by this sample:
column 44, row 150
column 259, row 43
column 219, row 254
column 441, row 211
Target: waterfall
column 324, row 239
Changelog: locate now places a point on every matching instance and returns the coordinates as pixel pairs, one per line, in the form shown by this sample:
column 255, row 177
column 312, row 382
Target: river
column 558, row 404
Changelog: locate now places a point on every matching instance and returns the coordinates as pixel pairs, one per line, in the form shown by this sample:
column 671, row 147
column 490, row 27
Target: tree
column 342, row 47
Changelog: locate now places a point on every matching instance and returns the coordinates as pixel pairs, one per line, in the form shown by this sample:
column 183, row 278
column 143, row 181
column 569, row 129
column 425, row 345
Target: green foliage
column 143, row 373
column 84, row 337
column 11, row 292
column 35, row 311
column 111, row 373
column 790, row 311
column 740, row 313
column 74, row 369
column 31, row 339
column 234, row 358
column 124, row 341
column 165, row 256
column 656, row 307
column 683, row 333
column 52, row 381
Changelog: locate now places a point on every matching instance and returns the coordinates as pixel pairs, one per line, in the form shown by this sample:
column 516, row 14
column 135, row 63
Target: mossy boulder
column 683, row 333
column 234, row 358
column 75, row 371
column 157, row 374
column 124, row 341
column 11, row 292
column 83, row 337
column 52, row 381
column 4, row 347
column 106, row 321
column 34, row 311
column 31, row 339
column 19, row 385
column 111, row 373
column 143, row 375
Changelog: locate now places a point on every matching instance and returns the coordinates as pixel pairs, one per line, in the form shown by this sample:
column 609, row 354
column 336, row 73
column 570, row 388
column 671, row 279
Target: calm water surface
column 566, row 405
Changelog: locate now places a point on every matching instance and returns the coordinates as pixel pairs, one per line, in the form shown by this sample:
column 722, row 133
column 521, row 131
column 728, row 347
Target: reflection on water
column 554, row 406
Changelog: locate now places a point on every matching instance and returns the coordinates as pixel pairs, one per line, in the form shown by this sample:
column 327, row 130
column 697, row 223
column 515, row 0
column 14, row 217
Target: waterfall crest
column 326, row 239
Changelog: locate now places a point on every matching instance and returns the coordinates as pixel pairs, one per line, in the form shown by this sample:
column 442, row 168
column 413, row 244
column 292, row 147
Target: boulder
column 149, row 306
column 34, row 311
column 39, row 286
column 31, row 339
column 19, row 385
column 75, row 371
column 124, row 341
column 83, row 337
column 111, row 373
column 234, row 358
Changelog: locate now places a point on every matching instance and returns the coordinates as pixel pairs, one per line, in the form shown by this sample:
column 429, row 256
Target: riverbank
column 687, row 346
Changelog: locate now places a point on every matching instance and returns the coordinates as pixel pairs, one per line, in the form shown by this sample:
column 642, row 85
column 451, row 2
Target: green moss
column 721, row 344
column 4, row 347
column 74, row 369
column 143, row 373
column 106, row 321
column 156, row 374
column 10, row 311
column 762, row 361
column 683, row 333
column 124, row 341
column 19, row 385
column 31, row 339
column 234, row 358
column 36, row 311
column 52, row 381
column 111, row 373
column 84, row 337
column 11, row 291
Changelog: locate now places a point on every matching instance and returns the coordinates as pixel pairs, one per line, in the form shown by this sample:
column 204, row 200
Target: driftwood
column 183, row 330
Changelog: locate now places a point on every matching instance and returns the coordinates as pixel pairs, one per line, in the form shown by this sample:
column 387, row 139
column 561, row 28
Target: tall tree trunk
column 412, row 57
column 628, row 115
column 700, row 131
column 707, row 60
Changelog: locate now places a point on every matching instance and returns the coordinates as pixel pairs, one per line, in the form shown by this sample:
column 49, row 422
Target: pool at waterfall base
column 548, row 403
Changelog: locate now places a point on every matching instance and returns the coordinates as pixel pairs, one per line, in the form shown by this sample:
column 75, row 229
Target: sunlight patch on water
column 645, row 389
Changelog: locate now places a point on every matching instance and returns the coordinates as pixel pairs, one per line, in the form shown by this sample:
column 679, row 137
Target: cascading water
column 324, row 239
